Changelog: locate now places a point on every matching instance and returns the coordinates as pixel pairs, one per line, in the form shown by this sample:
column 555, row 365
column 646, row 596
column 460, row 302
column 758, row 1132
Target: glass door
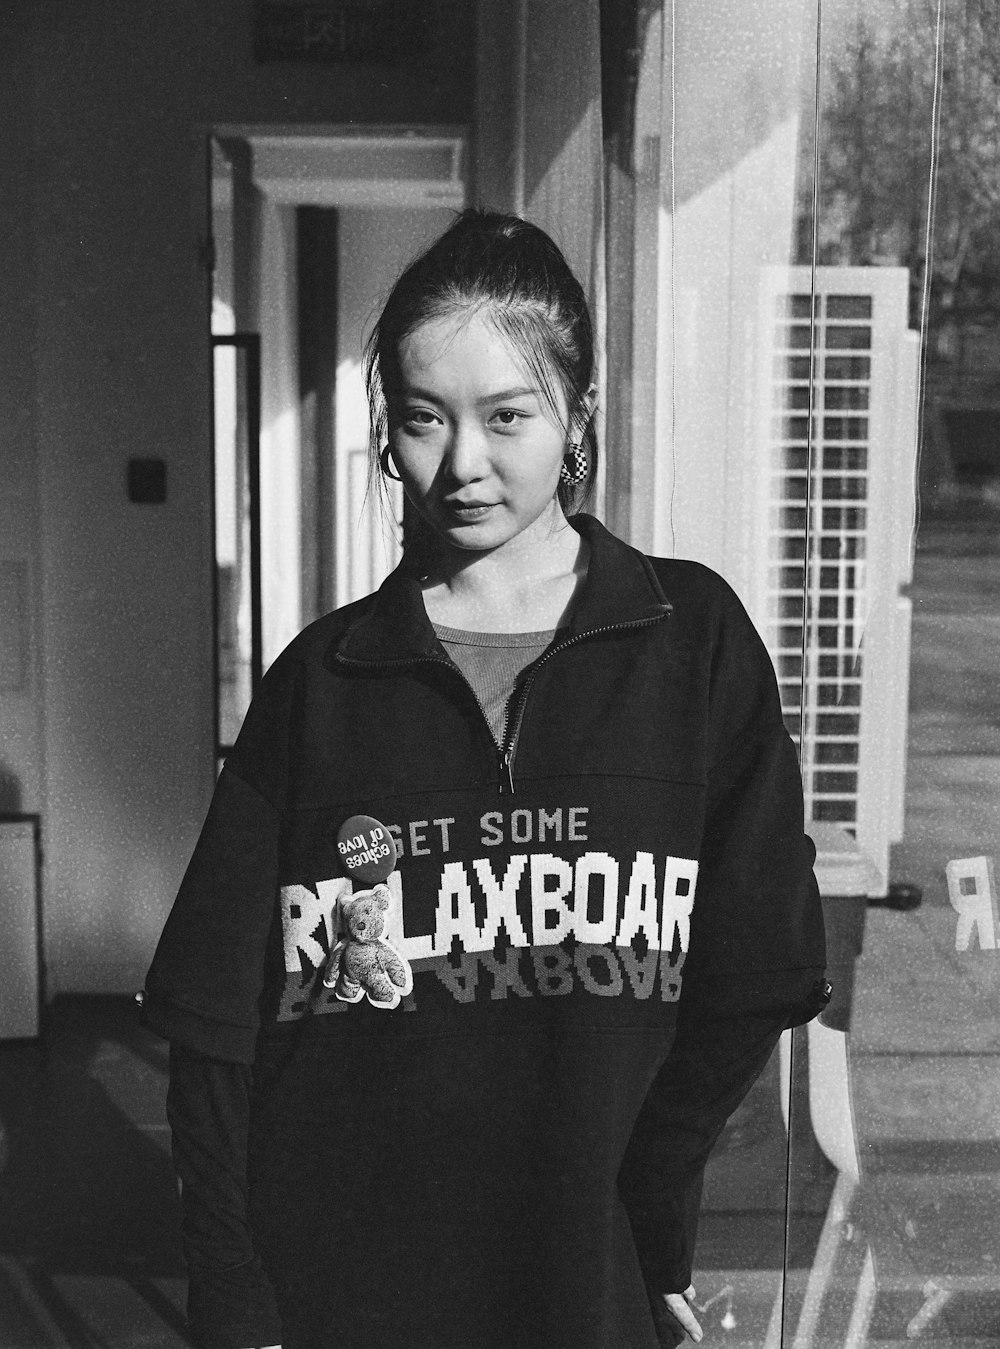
column 895, row 1086
column 804, row 366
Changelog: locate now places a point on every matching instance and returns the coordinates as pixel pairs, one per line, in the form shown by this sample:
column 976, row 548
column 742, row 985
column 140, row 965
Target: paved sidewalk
column 924, row 1045
column 925, row 1079
column 925, row 1060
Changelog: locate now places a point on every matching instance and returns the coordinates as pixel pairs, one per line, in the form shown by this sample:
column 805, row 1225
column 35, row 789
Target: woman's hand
column 679, row 1307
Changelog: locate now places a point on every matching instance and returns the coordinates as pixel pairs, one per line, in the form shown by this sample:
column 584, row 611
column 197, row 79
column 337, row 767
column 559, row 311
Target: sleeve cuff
column 232, row 1308
column 668, row 1332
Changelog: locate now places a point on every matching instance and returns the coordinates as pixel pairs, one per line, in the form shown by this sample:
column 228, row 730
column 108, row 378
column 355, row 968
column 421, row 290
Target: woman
column 603, row 907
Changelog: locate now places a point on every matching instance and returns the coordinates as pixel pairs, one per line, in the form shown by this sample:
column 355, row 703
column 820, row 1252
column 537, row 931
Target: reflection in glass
column 810, row 310
column 839, row 496
column 905, row 1251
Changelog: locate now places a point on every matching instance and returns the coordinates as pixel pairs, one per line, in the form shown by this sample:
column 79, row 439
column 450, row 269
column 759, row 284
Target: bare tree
column 883, row 92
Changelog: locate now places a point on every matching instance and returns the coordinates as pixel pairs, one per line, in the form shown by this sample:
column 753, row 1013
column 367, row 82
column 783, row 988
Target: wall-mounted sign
column 332, row 31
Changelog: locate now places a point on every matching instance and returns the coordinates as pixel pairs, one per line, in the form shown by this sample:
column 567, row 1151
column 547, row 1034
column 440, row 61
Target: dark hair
column 513, row 270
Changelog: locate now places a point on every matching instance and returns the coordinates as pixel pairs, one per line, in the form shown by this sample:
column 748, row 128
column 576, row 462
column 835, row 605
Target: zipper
column 518, row 699
column 506, row 771
column 514, row 714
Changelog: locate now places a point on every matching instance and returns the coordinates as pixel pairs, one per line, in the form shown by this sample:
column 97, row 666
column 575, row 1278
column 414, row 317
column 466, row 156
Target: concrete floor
column 89, row 1249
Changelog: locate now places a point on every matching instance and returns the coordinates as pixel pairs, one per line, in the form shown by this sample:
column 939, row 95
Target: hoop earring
column 383, row 463
column 574, row 466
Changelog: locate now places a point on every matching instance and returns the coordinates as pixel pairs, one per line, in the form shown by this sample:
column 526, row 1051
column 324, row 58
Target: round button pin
column 367, row 849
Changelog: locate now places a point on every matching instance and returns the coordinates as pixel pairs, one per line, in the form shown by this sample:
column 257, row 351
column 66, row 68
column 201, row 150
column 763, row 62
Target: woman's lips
column 469, row 510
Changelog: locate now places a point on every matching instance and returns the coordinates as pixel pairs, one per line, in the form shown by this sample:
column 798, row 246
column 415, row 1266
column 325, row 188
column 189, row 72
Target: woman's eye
column 419, row 418
column 508, row 417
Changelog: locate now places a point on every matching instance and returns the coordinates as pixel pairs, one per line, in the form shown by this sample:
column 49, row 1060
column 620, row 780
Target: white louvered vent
column 863, row 447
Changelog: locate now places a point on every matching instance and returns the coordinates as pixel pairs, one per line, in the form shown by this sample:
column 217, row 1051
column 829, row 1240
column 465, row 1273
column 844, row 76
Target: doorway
column 310, row 229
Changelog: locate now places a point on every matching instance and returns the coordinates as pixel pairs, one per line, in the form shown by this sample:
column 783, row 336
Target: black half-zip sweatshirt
column 608, row 927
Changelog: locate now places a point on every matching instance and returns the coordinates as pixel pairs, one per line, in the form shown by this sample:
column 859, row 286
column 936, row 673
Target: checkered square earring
column 574, row 466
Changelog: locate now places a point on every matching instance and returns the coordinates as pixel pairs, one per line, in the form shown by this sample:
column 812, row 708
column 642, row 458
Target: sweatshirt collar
column 620, row 589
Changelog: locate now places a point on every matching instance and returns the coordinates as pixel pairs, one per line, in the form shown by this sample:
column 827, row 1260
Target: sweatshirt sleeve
column 757, row 909
column 204, row 985
column 715, row 1060
column 203, row 993
column 756, row 958
column 231, row 1304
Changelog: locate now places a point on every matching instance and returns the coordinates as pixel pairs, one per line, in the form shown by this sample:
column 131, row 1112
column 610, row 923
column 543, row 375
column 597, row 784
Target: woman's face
column 476, row 443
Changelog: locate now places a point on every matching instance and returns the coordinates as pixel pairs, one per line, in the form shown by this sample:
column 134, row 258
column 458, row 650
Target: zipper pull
column 506, row 773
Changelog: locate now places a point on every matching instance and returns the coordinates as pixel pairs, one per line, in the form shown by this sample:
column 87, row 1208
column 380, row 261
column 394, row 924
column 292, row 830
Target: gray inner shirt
column 491, row 662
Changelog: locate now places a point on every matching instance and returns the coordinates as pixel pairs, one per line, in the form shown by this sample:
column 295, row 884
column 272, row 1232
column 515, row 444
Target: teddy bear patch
column 363, row 963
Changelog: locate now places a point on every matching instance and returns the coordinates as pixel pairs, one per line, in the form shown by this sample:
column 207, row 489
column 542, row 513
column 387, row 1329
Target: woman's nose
column 466, row 459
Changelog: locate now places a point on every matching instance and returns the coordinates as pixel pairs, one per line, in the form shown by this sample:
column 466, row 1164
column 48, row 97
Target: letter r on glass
column 973, row 894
